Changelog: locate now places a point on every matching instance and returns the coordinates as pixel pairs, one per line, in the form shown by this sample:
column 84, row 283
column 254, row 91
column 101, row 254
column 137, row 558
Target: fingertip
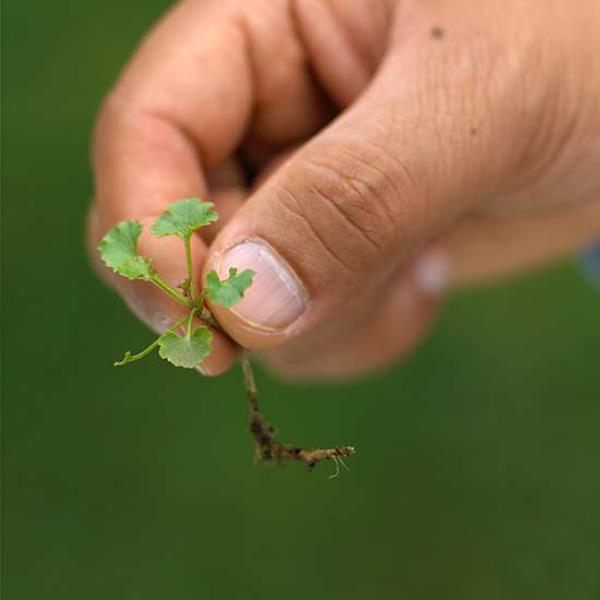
column 221, row 359
column 432, row 272
column 158, row 311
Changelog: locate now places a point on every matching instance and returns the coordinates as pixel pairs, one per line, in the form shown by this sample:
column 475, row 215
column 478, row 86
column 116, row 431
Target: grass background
column 478, row 471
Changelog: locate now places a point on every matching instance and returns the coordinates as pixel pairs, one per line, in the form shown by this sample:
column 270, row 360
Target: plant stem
column 190, row 320
column 190, row 271
column 249, row 381
column 267, row 448
column 199, row 302
column 204, row 311
column 132, row 358
column 160, row 283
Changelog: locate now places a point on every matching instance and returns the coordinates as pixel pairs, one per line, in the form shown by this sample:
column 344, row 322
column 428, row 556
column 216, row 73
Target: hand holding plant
column 119, row 251
column 365, row 156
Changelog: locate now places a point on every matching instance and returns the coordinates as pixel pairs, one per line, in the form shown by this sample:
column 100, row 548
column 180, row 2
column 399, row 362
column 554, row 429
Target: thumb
column 390, row 172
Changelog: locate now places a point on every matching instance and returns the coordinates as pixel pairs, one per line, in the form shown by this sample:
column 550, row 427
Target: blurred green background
column 478, row 466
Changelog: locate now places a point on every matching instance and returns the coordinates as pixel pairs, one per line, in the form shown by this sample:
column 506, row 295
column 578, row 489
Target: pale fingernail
column 202, row 369
column 277, row 297
column 433, row 272
column 160, row 322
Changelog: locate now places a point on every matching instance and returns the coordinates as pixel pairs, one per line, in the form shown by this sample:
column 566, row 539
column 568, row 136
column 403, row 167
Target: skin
column 386, row 136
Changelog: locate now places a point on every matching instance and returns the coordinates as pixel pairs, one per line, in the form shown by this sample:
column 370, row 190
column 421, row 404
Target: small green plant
column 184, row 345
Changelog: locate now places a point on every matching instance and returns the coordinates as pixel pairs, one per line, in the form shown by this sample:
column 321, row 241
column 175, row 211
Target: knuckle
column 311, row 222
column 350, row 203
column 393, row 192
column 123, row 125
column 352, row 198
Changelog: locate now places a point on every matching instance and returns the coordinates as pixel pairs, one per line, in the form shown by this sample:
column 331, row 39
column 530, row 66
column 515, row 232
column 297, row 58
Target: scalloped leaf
column 228, row 292
column 118, row 250
column 186, row 351
column 184, row 217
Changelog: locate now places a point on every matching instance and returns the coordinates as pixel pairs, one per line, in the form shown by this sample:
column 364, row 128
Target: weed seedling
column 184, row 345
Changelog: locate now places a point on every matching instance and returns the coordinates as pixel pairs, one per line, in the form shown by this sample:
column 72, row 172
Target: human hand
column 401, row 148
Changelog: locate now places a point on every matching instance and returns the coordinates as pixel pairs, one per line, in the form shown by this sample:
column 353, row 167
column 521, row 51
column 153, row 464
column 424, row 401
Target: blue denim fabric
column 589, row 261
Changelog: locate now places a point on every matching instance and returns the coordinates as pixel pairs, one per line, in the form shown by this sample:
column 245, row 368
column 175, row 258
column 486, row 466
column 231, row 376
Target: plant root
column 268, row 448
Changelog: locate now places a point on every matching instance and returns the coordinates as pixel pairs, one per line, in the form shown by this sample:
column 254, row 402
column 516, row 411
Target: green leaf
column 229, row 291
column 118, row 250
column 186, row 351
column 184, row 217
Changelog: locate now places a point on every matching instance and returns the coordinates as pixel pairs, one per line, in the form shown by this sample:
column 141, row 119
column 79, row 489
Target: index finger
column 180, row 107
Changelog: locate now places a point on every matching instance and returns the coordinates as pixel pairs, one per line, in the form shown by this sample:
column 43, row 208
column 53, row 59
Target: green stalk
column 160, row 283
column 190, row 271
column 133, row 357
column 190, row 321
